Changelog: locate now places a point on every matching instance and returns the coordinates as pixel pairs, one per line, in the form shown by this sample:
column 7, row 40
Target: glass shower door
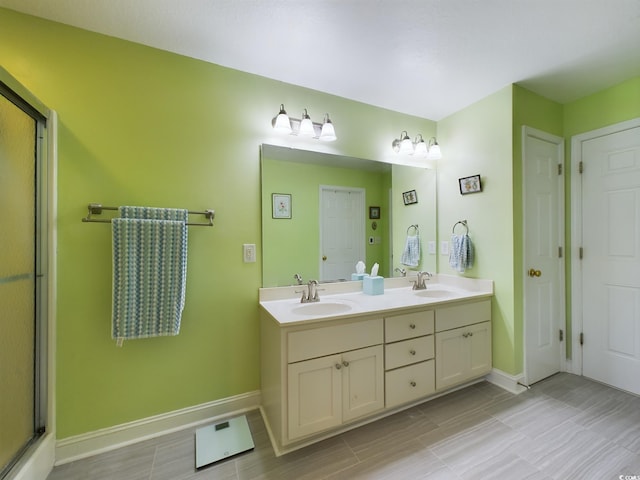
column 18, row 257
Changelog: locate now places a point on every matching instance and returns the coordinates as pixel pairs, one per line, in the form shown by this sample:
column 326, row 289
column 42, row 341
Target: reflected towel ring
column 463, row 223
column 413, row 226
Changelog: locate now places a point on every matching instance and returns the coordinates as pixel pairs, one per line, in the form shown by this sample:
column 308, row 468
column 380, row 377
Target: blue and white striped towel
column 411, row 253
column 461, row 255
column 149, row 273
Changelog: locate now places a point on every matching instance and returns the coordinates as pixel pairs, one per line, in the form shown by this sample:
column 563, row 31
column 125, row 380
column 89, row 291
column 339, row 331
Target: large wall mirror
column 315, row 204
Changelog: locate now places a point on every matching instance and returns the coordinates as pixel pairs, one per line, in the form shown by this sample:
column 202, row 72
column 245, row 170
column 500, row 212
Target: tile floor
column 565, row 427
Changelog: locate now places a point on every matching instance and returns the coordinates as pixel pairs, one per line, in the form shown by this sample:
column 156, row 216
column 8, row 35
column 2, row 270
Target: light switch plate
column 431, row 246
column 444, row 247
column 249, row 252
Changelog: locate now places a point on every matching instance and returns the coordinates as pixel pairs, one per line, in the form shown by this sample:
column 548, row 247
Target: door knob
column 324, row 258
column 534, row 273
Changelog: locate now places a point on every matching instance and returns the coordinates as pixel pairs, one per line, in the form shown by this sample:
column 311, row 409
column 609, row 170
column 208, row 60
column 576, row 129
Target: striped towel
column 411, row 253
column 149, row 273
column 461, row 255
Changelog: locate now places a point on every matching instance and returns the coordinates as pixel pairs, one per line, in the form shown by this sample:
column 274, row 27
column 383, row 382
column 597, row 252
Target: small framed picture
column 374, row 213
column 470, row 184
column 281, row 204
column 410, row 197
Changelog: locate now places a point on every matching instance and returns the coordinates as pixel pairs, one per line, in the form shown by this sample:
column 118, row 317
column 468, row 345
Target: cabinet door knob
column 465, row 335
column 412, row 326
column 412, row 383
column 412, row 352
column 345, row 363
column 338, row 366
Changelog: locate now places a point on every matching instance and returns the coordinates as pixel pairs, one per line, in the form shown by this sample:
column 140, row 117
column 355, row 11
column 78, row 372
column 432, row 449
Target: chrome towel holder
column 463, row 223
column 97, row 208
column 415, row 226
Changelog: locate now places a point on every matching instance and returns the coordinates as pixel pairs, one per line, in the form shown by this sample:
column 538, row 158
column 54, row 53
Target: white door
column 543, row 187
column 611, row 258
column 342, row 234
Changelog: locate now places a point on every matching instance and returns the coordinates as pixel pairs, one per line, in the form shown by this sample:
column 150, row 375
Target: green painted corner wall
column 143, row 126
column 479, row 140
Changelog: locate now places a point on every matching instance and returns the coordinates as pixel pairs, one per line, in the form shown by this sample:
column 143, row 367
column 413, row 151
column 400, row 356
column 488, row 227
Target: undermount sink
column 322, row 308
column 434, row 293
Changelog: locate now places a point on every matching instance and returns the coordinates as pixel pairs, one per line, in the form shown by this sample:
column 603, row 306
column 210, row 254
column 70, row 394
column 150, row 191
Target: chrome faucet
column 419, row 283
column 401, row 271
column 311, row 293
column 298, row 278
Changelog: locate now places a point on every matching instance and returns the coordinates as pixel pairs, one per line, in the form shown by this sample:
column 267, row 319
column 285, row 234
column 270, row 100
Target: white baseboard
column 503, row 380
column 111, row 438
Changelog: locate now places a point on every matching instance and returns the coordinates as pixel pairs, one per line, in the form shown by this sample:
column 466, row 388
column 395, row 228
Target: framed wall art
column 374, row 213
column 281, row 204
column 410, row 197
column 470, row 184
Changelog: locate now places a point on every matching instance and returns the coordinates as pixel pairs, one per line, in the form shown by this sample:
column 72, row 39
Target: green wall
column 479, row 140
column 143, row 126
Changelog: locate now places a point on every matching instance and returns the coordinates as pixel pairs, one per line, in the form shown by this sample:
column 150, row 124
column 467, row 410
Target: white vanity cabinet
column 463, row 343
column 315, row 378
column 409, row 353
column 326, row 374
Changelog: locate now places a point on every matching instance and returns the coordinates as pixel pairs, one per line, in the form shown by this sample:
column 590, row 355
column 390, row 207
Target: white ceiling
column 428, row 58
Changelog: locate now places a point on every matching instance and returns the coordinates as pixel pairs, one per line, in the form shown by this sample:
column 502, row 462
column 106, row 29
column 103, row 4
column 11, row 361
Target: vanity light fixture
column 304, row 127
column 434, row 150
column 418, row 147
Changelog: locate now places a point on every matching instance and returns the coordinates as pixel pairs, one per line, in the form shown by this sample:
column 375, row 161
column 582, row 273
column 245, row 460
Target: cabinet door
column 479, row 340
column 462, row 354
column 451, row 358
column 362, row 382
column 314, row 395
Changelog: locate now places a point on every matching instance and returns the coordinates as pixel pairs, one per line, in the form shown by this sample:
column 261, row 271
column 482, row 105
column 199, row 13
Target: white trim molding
column 111, row 438
column 511, row 383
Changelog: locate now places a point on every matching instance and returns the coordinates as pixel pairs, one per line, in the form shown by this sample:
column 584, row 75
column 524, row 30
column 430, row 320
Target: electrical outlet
column 249, row 252
column 444, row 247
column 431, row 246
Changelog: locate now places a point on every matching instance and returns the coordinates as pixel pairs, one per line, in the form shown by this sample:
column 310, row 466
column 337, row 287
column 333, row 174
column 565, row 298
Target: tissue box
column 358, row 276
column 373, row 285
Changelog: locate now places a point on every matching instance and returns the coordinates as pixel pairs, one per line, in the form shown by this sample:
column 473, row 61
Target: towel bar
column 413, row 226
column 97, row 208
column 463, row 223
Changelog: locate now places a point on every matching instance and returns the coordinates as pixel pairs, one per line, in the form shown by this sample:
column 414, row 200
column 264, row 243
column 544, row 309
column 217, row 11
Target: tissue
column 374, row 270
column 359, row 275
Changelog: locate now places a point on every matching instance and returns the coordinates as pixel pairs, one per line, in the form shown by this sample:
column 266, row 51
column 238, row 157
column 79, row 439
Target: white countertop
column 346, row 299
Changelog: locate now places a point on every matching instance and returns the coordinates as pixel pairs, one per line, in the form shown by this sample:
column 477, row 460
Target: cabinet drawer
column 409, row 383
column 408, row 325
column 454, row 317
column 409, row 351
column 317, row 342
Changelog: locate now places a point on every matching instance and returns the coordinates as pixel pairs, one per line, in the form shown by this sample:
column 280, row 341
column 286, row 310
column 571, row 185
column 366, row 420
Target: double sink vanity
column 352, row 358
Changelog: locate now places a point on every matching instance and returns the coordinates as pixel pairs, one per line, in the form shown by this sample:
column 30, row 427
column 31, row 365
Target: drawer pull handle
column 469, row 334
column 338, row 366
column 412, row 352
column 412, row 383
column 345, row 363
column 412, row 326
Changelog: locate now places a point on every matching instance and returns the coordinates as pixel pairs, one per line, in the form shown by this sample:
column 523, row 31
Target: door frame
column 39, row 458
column 574, row 365
column 559, row 143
